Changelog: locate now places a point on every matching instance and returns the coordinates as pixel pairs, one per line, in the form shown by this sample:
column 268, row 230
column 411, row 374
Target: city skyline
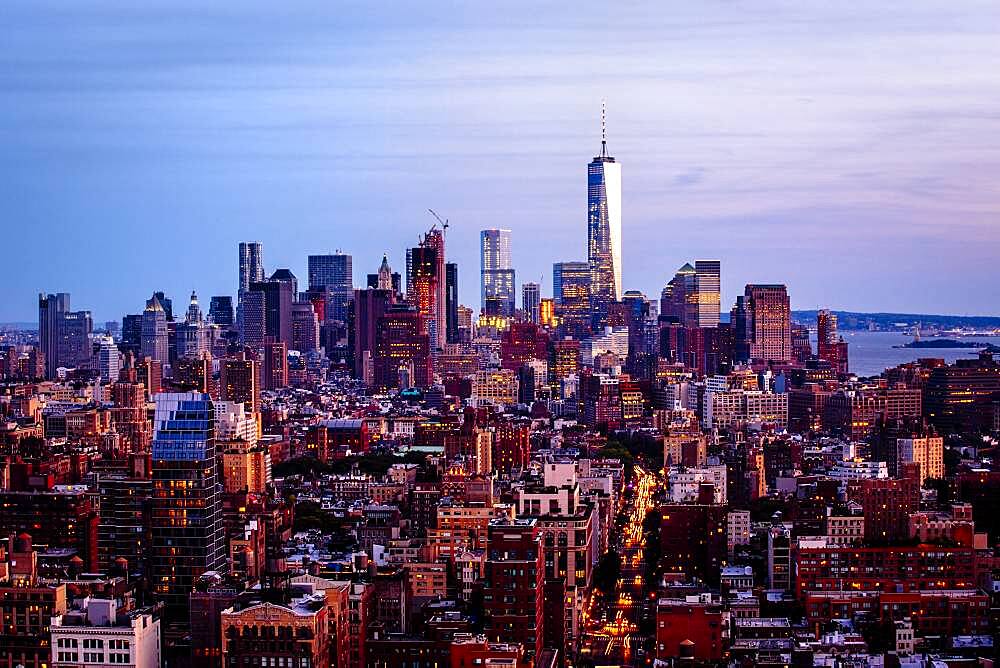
column 734, row 150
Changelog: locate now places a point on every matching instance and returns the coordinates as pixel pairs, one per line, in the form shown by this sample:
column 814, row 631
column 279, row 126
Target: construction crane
column 444, row 223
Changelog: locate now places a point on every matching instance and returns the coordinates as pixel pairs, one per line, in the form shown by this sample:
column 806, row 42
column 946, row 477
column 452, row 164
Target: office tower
column 50, row 310
column 333, row 276
column 639, row 356
column 674, row 298
column 826, row 334
column 768, row 324
column 801, row 346
column 513, row 595
column 425, row 285
column 128, row 413
column 155, row 341
column 192, row 373
column 149, row 372
column 220, row 310
column 75, row 331
column 435, row 239
column 367, row 308
column 531, row 297
column 331, row 271
column 604, row 231
column 547, row 312
column 830, row 346
column 402, row 349
column 187, row 537
column 287, row 277
column 279, row 293
column 253, row 316
column 571, row 290
column 64, row 336
column 451, row 302
column 958, row 397
column 707, row 284
column 251, row 264
column 167, row 304
column 275, row 370
column 305, row 327
column 692, row 297
column 497, row 280
column 109, row 359
column 239, row 381
column 131, row 341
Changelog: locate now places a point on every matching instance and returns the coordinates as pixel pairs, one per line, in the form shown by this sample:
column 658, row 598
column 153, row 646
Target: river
column 870, row 353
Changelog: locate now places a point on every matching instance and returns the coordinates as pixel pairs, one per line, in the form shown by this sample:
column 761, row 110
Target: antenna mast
column 604, row 127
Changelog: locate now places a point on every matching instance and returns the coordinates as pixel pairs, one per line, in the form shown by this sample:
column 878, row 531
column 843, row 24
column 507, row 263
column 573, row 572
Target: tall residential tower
column 497, row 287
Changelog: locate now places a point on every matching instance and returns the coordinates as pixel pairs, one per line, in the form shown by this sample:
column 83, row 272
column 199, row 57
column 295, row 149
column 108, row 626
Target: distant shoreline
column 942, row 343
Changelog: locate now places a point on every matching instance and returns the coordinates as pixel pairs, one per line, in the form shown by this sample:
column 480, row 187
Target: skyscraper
column 155, row 339
column 252, row 316
column 279, row 293
column 50, row 310
column 333, row 275
column 426, row 284
column 531, row 297
column 402, row 349
column 367, row 308
column 830, row 346
column 187, row 538
column 451, row 302
column 305, row 327
column 768, row 323
column 251, row 264
column 497, row 283
column 239, row 381
column 109, row 359
column 604, row 231
column 704, row 306
column 64, row 336
column 274, row 373
column 220, row 310
column 571, row 290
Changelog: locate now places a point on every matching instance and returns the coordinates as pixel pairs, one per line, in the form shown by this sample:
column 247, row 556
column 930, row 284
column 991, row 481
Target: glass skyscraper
column 604, row 233
column 251, row 264
column 497, row 287
column 187, row 538
column 333, row 276
column 571, row 291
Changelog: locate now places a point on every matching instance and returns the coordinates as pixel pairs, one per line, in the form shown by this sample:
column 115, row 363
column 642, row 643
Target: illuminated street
column 612, row 622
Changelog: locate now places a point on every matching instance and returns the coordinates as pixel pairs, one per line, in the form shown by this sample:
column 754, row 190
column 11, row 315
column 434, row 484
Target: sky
column 849, row 150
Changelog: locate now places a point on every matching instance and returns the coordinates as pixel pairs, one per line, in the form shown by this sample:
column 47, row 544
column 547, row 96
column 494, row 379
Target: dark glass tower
column 186, row 510
column 333, row 275
column 451, row 302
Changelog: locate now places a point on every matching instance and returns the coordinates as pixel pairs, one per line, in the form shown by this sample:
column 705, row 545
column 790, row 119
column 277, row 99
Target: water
column 870, row 353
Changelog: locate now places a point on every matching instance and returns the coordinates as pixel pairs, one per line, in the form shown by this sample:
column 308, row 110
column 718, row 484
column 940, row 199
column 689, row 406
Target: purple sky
column 851, row 153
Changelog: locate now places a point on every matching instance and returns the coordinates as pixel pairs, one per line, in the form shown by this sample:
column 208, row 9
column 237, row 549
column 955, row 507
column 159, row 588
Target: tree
column 607, row 572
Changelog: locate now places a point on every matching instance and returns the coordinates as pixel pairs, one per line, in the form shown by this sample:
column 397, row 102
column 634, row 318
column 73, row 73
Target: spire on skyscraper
column 604, row 128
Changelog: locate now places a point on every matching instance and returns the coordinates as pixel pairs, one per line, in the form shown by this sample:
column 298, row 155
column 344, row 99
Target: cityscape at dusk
column 453, row 335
